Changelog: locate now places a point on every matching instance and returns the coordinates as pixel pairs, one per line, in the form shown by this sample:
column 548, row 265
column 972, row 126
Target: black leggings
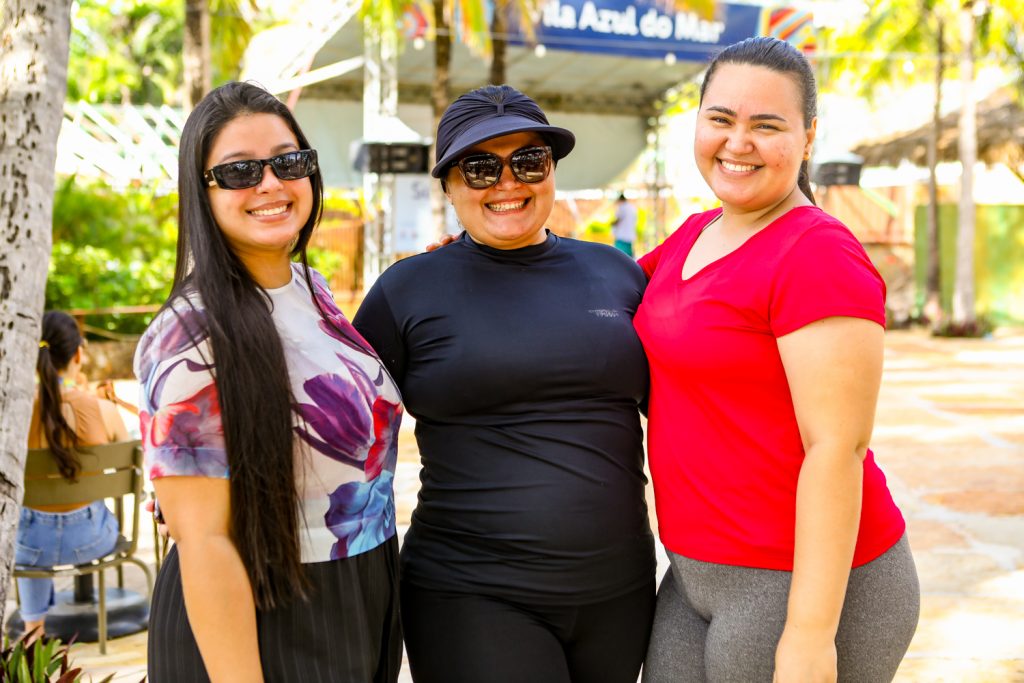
column 466, row 638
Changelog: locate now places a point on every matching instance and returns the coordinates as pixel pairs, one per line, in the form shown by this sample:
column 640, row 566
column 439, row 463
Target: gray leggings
column 719, row 623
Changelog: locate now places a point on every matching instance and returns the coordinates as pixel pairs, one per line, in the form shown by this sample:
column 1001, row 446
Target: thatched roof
column 1000, row 137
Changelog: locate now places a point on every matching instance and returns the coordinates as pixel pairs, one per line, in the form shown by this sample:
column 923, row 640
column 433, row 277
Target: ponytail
column 803, row 181
column 60, row 341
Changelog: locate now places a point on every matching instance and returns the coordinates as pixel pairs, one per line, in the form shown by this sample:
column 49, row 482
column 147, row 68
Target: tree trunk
column 933, row 274
column 33, row 82
column 963, row 290
column 439, row 98
column 499, row 28
column 196, row 52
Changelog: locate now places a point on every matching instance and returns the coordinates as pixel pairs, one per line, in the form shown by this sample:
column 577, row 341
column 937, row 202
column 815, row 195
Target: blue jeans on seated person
column 48, row 539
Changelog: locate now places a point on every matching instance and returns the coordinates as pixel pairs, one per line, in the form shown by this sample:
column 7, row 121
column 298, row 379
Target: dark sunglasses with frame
column 246, row 173
column 529, row 165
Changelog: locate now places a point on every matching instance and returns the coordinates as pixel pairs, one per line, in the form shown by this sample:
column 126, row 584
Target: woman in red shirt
column 763, row 324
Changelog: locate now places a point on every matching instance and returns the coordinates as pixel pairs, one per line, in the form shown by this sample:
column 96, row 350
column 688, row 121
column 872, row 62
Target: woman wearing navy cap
column 530, row 556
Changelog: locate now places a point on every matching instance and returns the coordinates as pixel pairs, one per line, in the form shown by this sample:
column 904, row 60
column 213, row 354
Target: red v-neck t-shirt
column 724, row 447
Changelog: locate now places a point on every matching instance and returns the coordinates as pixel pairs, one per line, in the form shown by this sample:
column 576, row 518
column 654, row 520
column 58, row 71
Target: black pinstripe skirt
column 348, row 631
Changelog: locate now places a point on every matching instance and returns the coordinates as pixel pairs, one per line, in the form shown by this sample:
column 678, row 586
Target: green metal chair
column 108, row 471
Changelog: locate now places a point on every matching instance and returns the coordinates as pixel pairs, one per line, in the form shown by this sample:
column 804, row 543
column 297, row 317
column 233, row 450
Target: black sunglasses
column 528, row 165
column 239, row 175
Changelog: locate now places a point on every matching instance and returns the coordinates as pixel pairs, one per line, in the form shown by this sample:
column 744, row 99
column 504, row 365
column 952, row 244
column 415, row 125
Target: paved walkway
column 950, row 436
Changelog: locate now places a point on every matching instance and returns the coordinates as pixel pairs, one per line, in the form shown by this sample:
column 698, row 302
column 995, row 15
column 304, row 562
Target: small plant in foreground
column 43, row 660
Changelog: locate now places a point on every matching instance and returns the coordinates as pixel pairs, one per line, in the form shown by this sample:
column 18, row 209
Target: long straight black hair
column 780, row 56
column 250, row 369
column 59, row 340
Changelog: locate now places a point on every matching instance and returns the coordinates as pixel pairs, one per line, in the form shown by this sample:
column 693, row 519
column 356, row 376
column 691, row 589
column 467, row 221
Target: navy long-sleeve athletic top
column 524, row 373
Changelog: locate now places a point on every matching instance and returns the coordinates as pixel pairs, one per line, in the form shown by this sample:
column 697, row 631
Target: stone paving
column 950, row 437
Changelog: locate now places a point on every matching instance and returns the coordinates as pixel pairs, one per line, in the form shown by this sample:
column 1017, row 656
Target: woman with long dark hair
column 269, row 426
column 64, row 417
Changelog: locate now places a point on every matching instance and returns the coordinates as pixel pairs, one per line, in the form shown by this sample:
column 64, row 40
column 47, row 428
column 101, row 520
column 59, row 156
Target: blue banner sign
column 642, row 28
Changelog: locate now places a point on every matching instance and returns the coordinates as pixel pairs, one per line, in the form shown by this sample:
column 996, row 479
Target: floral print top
column 347, row 413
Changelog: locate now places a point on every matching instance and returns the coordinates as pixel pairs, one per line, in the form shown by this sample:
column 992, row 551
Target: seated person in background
column 64, row 418
column 103, row 388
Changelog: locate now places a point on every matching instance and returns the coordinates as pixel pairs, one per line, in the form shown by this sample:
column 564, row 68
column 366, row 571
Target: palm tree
column 992, row 26
column 33, row 80
column 216, row 35
column 905, row 26
column 196, row 52
column 963, row 284
column 895, row 26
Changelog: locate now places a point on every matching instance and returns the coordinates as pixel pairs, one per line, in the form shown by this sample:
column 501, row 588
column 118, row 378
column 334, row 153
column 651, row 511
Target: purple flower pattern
column 341, row 410
column 334, row 424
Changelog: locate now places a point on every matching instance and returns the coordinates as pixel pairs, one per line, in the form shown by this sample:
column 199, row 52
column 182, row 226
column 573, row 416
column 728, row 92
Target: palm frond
column 473, row 27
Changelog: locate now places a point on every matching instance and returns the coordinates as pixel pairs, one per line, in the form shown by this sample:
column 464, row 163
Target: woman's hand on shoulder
column 805, row 657
column 442, row 241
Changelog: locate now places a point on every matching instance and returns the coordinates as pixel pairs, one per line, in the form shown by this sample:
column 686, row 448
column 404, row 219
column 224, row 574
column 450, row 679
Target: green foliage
column 343, row 202
column 894, row 31
column 111, row 248
column 230, row 33
column 385, row 15
column 598, row 231
column 128, row 53
column 116, row 247
column 324, row 261
column 46, row 660
column 1014, row 45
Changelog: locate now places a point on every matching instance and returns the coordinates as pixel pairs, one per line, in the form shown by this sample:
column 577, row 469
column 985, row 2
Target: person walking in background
column 624, row 225
column 529, row 557
column 269, row 426
column 63, row 418
column 763, row 324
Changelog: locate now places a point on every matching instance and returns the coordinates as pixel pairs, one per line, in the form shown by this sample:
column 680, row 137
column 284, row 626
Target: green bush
column 116, row 247
column 111, row 248
column 324, row 261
